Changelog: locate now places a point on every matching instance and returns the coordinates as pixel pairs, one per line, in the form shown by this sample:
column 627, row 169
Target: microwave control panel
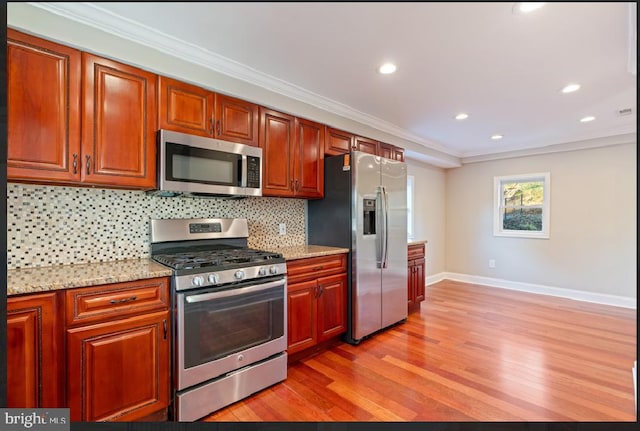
column 253, row 172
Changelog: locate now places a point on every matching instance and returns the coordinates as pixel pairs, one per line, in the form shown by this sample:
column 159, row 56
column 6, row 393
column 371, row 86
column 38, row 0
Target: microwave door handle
column 232, row 292
column 243, row 171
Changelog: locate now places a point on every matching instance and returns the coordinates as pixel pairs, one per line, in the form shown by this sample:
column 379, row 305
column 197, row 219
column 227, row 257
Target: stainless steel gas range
column 229, row 313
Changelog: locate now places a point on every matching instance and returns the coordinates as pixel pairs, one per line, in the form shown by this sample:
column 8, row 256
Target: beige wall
column 429, row 212
column 592, row 245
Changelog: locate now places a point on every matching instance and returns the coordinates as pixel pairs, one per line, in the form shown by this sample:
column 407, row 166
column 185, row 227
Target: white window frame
column 410, row 209
column 498, row 230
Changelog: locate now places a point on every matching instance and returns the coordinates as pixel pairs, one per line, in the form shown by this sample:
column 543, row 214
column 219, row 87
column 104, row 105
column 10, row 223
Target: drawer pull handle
column 75, row 163
column 318, row 268
column 120, row 301
column 164, row 326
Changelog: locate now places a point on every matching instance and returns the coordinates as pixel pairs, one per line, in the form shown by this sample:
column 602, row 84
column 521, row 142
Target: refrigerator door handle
column 385, row 210
column 380, row 227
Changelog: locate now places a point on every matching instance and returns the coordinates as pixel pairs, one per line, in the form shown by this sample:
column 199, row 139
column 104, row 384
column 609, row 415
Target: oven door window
column 192, row 164
column 219, row 327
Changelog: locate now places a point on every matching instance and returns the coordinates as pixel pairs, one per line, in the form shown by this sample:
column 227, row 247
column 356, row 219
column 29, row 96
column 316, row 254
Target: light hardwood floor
column 472, row 353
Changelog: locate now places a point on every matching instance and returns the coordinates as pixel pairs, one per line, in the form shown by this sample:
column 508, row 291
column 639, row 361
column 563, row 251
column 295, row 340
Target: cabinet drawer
column 106, row 302
column 315, row 267
column 415, row 251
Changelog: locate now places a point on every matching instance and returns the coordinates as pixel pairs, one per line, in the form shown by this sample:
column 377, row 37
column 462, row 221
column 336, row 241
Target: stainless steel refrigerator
column 365, row 209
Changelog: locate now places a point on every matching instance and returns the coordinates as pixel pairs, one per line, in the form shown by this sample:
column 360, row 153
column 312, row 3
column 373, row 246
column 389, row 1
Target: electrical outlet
column 492, row 263
column 282, row 228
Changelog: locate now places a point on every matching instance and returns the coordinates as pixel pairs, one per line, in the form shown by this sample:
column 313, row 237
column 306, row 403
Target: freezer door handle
column 379, row 227
column 382, row 256
column 385, row 233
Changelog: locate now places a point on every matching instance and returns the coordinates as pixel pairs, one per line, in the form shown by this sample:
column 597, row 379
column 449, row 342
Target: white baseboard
column 599, row 298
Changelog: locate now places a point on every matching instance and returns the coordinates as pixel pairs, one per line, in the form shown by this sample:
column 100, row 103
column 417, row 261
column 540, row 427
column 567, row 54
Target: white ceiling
column 505, row 70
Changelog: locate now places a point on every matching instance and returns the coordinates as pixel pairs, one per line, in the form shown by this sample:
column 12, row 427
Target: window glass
column 410, row 179
column 521, row 206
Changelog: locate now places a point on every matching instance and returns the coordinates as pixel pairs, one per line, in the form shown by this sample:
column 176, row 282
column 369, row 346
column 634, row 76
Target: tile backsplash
column 51, row 225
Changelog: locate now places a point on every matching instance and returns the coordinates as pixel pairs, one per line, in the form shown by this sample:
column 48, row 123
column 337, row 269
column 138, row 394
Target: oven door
column 219, row 331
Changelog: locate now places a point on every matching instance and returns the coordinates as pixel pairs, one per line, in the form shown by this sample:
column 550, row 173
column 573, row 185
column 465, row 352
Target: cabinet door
column 43, row 102
column 411, row 284
column 337, row 142
column 332, row 311
column 308, row 159
column 184, row 107
column 236, row 120
column 366, row 145
column 118, row 370
column 119, row 124
column 276, row 140
column 419, row 280
column 386, row 150
column 398, row 154
column 301, row 316
column 34, row 361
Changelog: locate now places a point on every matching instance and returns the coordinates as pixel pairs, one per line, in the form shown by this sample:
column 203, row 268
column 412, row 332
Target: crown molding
column 607, row 141
column 94, row 16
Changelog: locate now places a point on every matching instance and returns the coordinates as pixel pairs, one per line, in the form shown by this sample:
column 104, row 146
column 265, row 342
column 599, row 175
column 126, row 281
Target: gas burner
column 215, row 259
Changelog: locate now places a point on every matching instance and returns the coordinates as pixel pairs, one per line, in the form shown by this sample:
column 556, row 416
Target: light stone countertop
column 416, row 242
column 303, row 251
column 47, row 278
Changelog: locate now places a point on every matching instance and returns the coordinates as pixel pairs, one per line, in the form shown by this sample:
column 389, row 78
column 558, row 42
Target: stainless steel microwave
column 197, row 166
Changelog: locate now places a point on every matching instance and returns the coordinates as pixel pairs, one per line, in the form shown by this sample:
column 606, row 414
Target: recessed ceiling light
column 462, row 116
column 526, row 7
column 496, row 137
column 571, row 88
column 587, row 119
column 387, row 68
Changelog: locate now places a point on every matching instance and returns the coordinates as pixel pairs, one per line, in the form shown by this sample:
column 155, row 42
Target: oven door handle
column 232, row 292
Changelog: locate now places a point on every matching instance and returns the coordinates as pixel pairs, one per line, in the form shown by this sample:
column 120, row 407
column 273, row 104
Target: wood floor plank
column 472, row 353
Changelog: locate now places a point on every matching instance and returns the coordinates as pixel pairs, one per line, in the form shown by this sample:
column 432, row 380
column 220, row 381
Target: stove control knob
column 273, row 270
column 262, row 271
column 239, row 275
column 197, row 281
column 213, row 278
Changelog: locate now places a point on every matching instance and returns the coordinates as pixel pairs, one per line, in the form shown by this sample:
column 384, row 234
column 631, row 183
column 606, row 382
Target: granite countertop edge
column 305, row 251
column 417, row 241
column 59, row 277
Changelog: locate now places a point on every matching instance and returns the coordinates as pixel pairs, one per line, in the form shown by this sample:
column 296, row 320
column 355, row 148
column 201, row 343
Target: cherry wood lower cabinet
column 34, row 351
column 118, row 351
column 416, row 276
column 119, row 370
column 316, row 302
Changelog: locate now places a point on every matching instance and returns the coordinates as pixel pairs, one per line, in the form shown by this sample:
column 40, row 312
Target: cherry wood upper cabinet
column 187, row 108
column 308, row 160
column 34, row 351
column 184, row 107
column 43, row 86
column 119, row 124
column 236, row 120
column 392, row 152
column 277, row 132
column 366, row 145
column 293, row 160
column 337, row 142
